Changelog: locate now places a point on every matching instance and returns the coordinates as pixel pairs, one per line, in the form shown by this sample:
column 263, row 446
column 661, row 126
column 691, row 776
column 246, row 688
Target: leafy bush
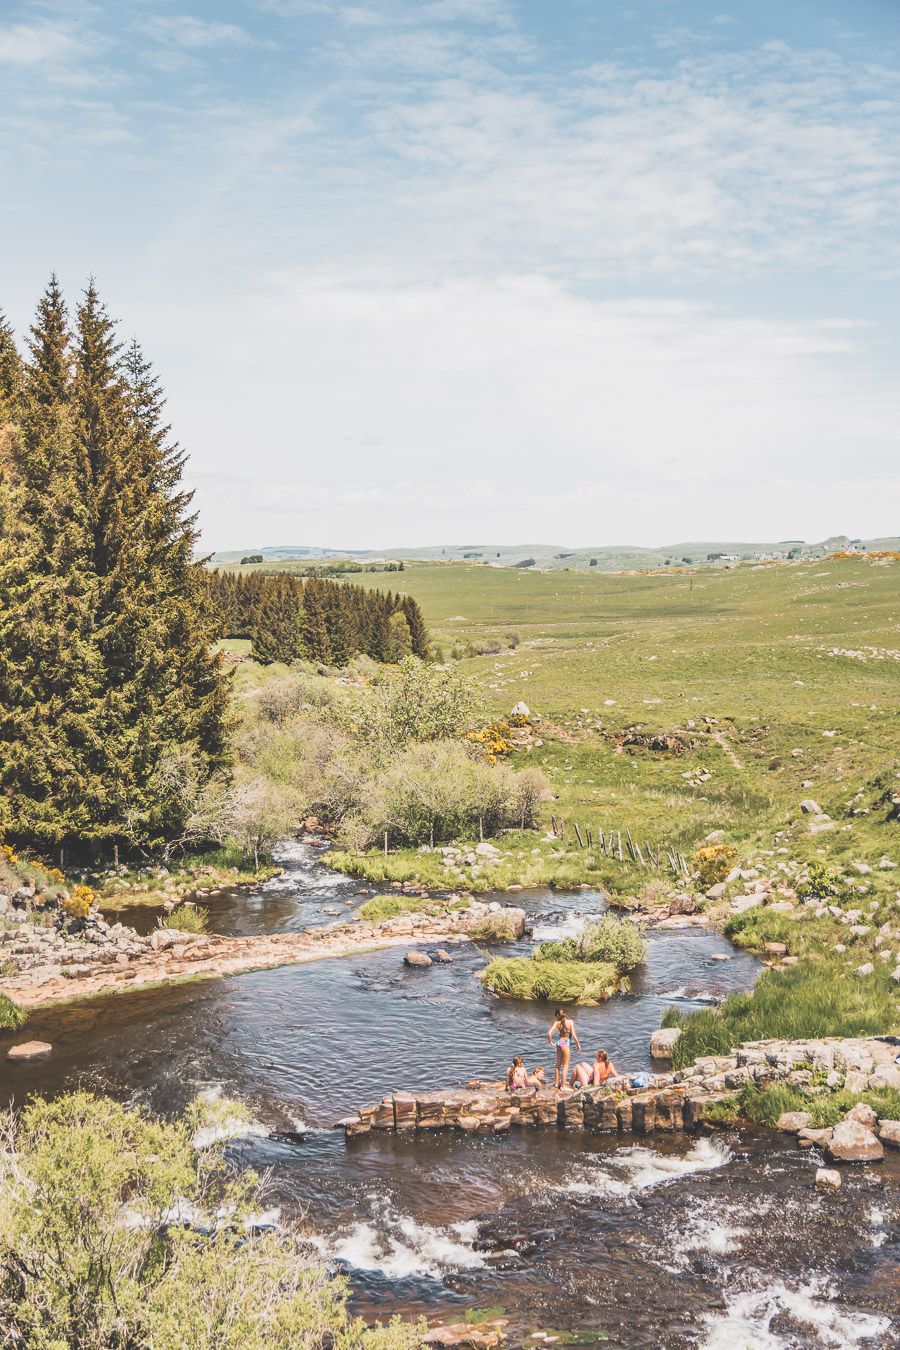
column 821, row 883
column 585, row 982
column 95, row 1252
column 416, row 702
column 11, row 1015
column 77, row 904
column 614, row 941
column 712, row 864
column 186, row 919
column 801, row 1002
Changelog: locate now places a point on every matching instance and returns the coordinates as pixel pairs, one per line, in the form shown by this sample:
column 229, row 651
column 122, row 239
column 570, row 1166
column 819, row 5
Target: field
column 780, row 682
column 751, row 664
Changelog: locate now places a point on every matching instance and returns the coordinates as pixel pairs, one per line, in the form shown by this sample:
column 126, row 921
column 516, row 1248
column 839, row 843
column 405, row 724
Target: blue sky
column 557, row 270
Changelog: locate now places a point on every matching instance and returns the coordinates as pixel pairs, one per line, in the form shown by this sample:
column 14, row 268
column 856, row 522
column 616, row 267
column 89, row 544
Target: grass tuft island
column 588, row 969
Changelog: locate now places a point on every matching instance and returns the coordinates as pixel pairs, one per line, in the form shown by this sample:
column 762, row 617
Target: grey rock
column 663, row 1041
column 810, row 807
column 827, row 1179
column 414, row 958
column 853, row 1142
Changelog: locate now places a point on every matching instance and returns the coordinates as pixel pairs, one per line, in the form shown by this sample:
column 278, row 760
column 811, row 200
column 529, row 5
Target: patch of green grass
column 815, row 998
column 390, row 906
column 11, row 1015
column 585, row 982
column 725, row 1112
column 765, row 1104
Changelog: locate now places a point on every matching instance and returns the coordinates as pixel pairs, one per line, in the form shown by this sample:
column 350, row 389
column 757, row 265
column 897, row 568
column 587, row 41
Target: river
column 712, row 1243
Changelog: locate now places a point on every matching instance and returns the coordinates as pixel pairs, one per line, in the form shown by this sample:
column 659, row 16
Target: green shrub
column 186, row 919
column 801, row 1002
column 11, row 1015
column 552, row 981
column 616, row 942
column 822, row 883
column 90, row 1258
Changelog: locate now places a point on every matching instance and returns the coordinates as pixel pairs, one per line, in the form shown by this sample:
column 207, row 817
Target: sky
column 562, row 271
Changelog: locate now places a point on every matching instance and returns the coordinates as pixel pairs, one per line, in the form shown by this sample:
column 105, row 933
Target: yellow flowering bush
column 78, row 903
column 713, row 863
column 493, row 740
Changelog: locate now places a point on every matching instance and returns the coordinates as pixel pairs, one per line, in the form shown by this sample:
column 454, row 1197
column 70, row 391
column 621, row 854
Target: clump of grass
column 585, row 982
column 801, row 1003
column 11, row 1015
column 725, row 1112
column 765, row 1104
column 390, row 906
column 186, row 919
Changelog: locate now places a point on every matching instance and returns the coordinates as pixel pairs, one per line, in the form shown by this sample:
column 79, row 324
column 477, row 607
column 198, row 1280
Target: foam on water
column 398, row 1246
column 638, row 1168
column 747, row 1322
column 555, row 930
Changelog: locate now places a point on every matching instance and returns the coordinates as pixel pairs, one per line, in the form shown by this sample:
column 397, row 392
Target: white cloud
column 184, row 30
column 33, row 44
column 518, row 409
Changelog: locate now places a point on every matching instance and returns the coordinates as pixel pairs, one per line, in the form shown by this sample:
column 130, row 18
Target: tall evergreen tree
column 421, row 645
column 51, row 741
column 120, row 709
column 315, row 628
column 278, row 625
column 11, row 372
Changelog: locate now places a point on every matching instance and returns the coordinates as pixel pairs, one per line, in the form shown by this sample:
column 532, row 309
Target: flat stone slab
column 29, row 1050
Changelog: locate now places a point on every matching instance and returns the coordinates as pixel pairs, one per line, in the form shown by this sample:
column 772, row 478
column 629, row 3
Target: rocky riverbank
column 45, row 958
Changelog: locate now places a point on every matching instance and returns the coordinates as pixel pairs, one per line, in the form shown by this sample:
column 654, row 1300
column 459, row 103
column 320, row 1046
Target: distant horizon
column 324, row 549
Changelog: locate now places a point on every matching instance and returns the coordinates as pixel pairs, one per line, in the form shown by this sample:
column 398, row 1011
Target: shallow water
column 680, row 1243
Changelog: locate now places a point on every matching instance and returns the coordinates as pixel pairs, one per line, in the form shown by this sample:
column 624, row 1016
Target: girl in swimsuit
column 516, row 1075
column 565, row 1036
column 593, row 1075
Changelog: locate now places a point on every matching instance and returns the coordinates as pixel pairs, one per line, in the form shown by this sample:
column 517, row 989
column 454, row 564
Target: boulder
column 792, row 1122
column 853, row 1142
column 827, row 1179
column 29, row 1050
column 413, row 958
column 487, row 850
column 682, row 904
column 889, row 1133
column 662, row 1042
column 775, row 948
column 810, row 807
column 520, row 710
column 865, row 969
column 716, row 892
column 863, row 1114
column 442, row 957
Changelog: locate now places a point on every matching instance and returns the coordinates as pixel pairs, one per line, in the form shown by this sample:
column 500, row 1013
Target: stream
column 705, row 1243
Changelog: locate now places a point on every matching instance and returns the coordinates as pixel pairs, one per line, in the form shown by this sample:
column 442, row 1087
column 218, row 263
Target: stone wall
column 671, row 1102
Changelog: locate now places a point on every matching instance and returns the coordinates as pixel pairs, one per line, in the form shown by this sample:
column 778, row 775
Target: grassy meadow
column 760, row 651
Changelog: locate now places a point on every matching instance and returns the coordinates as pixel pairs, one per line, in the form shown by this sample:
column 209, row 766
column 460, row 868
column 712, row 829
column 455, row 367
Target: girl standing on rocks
column 565, row 1035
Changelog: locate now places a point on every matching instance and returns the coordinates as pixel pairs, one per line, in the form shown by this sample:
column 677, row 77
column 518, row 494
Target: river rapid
column 705, row 1243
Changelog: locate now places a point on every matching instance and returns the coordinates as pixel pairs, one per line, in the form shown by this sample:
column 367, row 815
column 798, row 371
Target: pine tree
column 50, row 670
column 11, row 373
column 421, row 644
column 278, row 626
column 112, row 703
column 315, row 628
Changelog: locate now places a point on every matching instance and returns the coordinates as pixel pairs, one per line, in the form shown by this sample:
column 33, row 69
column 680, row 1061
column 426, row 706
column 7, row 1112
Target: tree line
column 288, row 618
column 113, row 702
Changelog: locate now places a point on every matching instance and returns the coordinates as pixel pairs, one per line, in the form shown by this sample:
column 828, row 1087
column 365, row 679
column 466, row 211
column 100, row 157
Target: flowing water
column 715, row 1243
